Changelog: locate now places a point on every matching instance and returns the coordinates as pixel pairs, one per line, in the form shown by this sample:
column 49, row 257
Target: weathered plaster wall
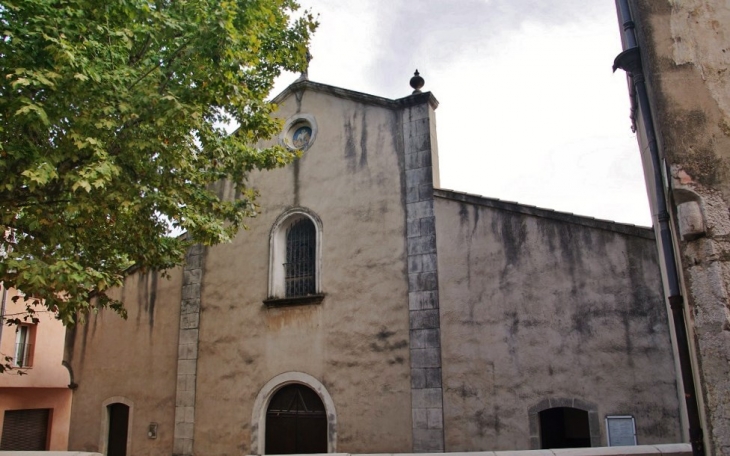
column 356, row 341
column 686, row 55
column 535, row 309
column 135, row 359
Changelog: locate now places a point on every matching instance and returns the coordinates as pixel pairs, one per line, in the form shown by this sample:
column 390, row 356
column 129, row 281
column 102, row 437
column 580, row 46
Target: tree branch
column 159, row 64
column 133, row 59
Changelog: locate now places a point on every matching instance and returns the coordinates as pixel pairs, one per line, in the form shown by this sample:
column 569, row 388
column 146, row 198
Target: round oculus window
column 299, row 132
column 301, row 137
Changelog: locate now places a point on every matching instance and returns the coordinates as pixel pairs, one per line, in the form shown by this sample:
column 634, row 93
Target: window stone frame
column 104, row 437
column 277, row 256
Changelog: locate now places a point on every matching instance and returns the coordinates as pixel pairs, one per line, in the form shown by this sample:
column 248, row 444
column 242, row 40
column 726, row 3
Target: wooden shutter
column 25, row 430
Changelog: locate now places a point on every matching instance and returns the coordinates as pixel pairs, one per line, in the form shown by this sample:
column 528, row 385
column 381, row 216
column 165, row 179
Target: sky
column 529, row 109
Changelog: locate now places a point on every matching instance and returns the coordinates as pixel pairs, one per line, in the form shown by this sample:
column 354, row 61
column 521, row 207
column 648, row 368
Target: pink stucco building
column 34, row 408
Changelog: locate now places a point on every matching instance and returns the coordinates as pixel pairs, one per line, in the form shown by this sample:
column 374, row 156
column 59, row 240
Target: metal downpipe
column 630, row 61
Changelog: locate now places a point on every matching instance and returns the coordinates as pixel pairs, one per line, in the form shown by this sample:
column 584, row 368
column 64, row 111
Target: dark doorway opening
column 296, row 422
column 118, row 427
column 564, row 427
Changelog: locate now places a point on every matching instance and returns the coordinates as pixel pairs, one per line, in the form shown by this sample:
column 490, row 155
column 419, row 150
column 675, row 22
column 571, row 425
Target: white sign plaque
column 621, row 430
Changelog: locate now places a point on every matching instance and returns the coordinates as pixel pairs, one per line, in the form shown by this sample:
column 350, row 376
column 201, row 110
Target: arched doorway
column 542, row 420
column 564, row 427
column 118, row 427
column 296, row 422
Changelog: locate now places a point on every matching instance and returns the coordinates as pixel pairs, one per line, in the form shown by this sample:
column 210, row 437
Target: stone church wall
column 441, row 321
column 356, row 341
column 545, row 309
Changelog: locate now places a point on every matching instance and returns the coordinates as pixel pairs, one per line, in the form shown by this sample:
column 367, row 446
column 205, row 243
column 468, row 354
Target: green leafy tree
column 112, row 119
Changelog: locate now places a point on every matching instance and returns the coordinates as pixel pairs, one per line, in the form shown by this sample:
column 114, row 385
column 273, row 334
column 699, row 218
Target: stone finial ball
column 417, row 82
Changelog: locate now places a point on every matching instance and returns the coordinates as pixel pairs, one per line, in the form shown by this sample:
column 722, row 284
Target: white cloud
column 530, row 110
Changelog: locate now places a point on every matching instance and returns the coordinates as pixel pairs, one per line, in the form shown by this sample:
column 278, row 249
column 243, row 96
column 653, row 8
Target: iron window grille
column 23, row 347
column 300, row 258
column 23, row 355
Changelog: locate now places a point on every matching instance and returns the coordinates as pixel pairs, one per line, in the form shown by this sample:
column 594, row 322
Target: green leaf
column 108, row 129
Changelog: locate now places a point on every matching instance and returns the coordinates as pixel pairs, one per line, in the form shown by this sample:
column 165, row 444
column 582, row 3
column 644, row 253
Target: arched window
column 295, row 259
column 299, row 269
column 296, row 422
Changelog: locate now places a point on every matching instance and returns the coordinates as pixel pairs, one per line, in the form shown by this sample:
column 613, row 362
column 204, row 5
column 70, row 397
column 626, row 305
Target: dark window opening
column 564, row 427
column 296, row 422
column 25, row 430
column 300, row 258
column 24, row 346
column 118, row 426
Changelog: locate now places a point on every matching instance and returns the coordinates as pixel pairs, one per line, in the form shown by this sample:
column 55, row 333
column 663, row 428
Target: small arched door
column 118, row 427
column 296, row 422
column 564, row 427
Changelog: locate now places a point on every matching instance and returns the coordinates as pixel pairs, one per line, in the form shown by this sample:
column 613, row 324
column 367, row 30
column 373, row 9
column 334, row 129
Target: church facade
column 366, row 310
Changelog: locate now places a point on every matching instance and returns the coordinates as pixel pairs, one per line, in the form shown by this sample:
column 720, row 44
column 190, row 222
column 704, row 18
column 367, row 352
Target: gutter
column 630, row 61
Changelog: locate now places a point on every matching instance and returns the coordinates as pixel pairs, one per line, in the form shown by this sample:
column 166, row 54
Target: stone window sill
column 296, row 301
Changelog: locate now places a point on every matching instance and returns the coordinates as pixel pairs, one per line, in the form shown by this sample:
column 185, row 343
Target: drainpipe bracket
column 629, row 61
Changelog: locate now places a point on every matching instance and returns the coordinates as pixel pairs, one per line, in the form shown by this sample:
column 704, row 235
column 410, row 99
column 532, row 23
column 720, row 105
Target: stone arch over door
column 258, row 417
column 589, row 407
column 105, row 421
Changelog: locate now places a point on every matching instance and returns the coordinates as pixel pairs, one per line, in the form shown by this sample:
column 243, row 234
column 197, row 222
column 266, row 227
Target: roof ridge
column 586, row 220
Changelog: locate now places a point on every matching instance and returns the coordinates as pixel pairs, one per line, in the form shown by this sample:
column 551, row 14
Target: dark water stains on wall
column 704, row 166
column 687, row 143
column 147, row 297
column 84, row 341
column 511, row 229
column 570, row 249
column 364, row 140
column 69, row 344
column 552, row 301
column 384, row 334
column 355, row 137
column 472, row 304
column 512, row 320
column 464, row 213
column 298, row 95
column 277, row 319
column 486, row 421
column 397, row 360
column 464, row 391
column 384, row 342
column 295, row 175
column 350, row 151
column 94, row 325
column 647, row 304
column 247, row 357
column 232, row 375
column 569, row 246
column 468, row 234
column 464, row 217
